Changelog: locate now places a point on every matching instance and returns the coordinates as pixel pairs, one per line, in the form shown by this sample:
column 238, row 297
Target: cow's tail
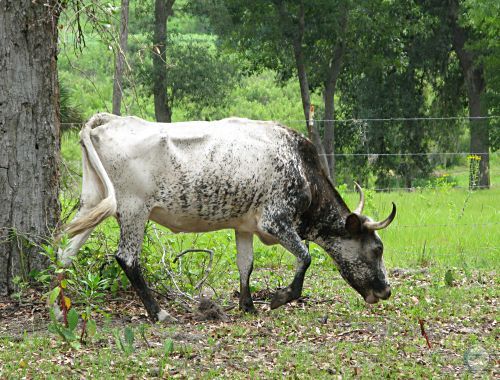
column 107, row 206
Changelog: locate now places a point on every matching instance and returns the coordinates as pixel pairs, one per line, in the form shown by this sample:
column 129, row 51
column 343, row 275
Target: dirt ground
column 327, row 333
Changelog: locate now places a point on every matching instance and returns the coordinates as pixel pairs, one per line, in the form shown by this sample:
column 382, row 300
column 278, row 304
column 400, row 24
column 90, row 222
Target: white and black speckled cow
column 253, row 176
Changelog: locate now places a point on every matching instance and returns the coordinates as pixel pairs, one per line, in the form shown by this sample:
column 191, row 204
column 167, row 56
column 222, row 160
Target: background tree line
column 358, row 60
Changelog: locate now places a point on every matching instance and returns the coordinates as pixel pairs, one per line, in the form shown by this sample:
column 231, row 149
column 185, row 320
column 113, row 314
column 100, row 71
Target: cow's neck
column 325, row 218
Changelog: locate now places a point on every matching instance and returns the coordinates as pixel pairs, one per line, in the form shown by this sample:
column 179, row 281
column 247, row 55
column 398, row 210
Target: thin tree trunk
column 120, row 59
column 303, row 81
column 29, row 135
column 476, row 88
column 329, row 95
column 479, row 134
column 163, row 112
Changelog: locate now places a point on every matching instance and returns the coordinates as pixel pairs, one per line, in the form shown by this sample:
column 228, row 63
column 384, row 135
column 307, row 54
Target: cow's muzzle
column 374, row 297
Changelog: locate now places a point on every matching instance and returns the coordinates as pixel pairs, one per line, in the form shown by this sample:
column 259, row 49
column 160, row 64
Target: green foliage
column 69, row 112
column 21, row 286
column 397, row 63
column 67, row 333
column 126, row 345
column 481, row 16
column 200, row 76
column 261, row 97
column 168, row 347
column 449, row 278
column 88, row 291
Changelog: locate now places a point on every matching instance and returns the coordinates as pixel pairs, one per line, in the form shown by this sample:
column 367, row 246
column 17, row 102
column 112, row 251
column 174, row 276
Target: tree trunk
column 329, row 95
column 479, row 135
column 163, row 112
column 476, row 89
column 120, row 59
column 313, row 133
column 29, row 135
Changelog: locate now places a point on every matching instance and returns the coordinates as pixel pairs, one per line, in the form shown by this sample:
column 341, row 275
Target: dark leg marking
column 244, row 259
column 283, row 230
column 131, row 235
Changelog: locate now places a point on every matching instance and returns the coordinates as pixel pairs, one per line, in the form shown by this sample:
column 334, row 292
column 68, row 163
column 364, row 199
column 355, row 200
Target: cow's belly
column 183, row 223
column 178, row 222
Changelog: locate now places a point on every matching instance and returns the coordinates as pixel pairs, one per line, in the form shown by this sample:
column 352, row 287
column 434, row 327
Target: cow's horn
column 384, row 223
column 361, row 205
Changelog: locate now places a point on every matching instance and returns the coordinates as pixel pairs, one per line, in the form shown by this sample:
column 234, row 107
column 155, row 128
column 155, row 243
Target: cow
column 256, row 177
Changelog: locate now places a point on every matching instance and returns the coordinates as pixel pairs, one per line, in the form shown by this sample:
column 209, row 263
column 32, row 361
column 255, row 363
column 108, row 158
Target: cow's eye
column 378, row 251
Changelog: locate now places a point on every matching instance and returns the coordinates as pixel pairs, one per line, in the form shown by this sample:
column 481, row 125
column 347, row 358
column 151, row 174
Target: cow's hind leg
column 129, row 248
column 283, row 231
column 244, row 259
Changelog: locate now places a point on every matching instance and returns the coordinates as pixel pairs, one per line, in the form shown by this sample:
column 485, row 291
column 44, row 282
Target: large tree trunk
column 163, row 9
column 476, row 88
column 329, row 95
column 120, row 59
column 29, row 135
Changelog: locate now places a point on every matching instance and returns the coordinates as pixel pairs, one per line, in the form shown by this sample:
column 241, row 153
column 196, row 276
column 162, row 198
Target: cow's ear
column 353, row 224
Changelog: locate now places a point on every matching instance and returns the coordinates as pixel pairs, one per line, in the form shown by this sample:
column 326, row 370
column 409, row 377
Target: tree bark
column 329, row 95
column 120, row 59
column 163, row 112
column 298, row 52
column 476, row 89
column 29, row 135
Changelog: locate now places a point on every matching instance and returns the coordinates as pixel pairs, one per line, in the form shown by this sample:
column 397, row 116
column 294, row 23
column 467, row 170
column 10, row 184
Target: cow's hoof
column 248, row 308
column 164, row 317
column 281, row 297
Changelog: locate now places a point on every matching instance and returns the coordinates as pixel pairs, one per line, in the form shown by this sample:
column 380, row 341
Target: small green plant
column 142, row 332
column 449, row 278
column 66, row 332
column 424, row 259
column 168, row 347
column 126, row 344
column 92, row 289
column 21, row 285
column 89, row 289
column 474, row 161
column 442, row 183
column 370, row 208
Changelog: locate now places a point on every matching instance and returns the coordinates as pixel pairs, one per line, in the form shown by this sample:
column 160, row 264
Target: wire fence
column 360, row 120
column 403, row 154
column 370, row 154
column 465, row 235
column 444, row 118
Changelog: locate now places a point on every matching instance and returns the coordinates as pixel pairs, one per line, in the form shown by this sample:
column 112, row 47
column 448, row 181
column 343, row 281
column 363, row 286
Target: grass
column 322, row 337
column 442, row 253
column 444, row 227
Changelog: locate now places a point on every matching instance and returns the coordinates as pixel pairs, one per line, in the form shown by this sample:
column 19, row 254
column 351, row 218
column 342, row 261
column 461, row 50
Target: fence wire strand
column 405, row 154
column 492, row 117
column 409, row 154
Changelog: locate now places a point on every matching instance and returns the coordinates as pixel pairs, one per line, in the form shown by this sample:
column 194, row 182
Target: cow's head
column 358, row 254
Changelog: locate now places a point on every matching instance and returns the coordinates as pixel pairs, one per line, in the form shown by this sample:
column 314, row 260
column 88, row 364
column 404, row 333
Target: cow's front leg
column 284, row 232
column 129, row 248
column 244, row 259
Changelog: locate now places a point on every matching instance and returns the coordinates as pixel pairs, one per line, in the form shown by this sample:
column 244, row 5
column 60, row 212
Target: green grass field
column 442, row 253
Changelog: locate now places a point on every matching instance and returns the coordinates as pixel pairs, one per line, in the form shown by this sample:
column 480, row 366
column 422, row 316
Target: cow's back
column 198, row 176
